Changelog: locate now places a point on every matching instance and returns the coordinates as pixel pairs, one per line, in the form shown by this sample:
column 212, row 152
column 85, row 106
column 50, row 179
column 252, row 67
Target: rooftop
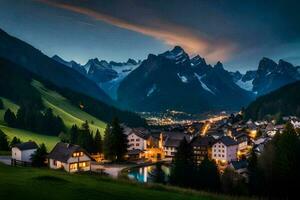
column 27, row 145
column 63, row 151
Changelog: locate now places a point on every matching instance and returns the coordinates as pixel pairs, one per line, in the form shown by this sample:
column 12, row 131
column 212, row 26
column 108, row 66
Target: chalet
column 225, row 150
column 171, row 141
column 21, row 153
column 137, row 139
column 242, row 139
column 202, row 147
column 69, row 157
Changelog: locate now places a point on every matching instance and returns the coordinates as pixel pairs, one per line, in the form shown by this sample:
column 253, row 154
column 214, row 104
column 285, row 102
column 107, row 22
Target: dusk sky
column 238, row 32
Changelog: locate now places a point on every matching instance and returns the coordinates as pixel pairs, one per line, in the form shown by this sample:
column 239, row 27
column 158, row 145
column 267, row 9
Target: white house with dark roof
column 23, row 152
column 171, row 141
column 225, row 150
column 137, row 139
column 69, row 157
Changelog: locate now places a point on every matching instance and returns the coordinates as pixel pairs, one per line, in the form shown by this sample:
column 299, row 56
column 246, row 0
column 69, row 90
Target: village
column 228, row 141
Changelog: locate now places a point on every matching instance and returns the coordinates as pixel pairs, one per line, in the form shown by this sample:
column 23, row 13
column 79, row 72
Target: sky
column 237, row 33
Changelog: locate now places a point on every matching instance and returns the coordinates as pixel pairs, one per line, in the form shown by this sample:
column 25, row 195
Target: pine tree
column 39, row 157
column 10, row 118
column 280, row 164
column 208, row 175
column 183, row 165
column 233, row 183
column 74, row 134
column 108, row 143
column 120, row 142
column 98, row 142
column 1, row 104
column 15, row 141
column 115, row 142
column 3, row 141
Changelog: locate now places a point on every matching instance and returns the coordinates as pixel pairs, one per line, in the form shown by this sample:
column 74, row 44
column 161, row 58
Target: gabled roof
column 140, row 132
column 63, row 151
column 203, row 141
column 228, row 141
column 26, row 146
column 172, row 142
column 175, row 135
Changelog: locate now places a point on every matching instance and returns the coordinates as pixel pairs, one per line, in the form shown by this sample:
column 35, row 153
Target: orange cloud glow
column 170, row 34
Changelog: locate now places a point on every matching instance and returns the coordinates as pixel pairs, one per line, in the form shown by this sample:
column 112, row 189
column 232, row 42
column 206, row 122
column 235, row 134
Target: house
column 21, row 153
column 69, row 157
column 295, row 123
column 135, row 154
column 224, row 150
column 170, row 146
column 171, row 141
column 202, row 147
column 270, row 129
column 137, row 139
column 242, row 139
column 240, row 167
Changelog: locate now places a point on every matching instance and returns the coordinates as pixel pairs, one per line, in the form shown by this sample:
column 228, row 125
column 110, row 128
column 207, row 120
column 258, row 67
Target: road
column 5, row 159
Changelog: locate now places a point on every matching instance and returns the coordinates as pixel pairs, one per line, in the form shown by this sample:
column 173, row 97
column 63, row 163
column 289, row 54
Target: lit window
column 73, row 166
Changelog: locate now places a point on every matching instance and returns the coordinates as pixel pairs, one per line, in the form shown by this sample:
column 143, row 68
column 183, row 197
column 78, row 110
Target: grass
column 30, row 183
column 61, row 106
column 5, row 153
column 68, row 112
column 25, row 136
column 7, row 104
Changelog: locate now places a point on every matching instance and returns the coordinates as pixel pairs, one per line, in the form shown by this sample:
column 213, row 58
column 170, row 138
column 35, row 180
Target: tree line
column 275, row 173
column 84, row 137
column 5, row 144
column 113, row 145
column 185, row 171
column 32, row 119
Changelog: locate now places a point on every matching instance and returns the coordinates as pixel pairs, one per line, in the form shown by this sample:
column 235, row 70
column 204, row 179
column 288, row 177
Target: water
column 146, row 174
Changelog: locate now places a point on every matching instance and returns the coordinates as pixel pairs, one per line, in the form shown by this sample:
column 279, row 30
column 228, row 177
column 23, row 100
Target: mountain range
column 268, row 77
column 38, row 63
column 105, row 74
column 284, row 101
column 173, row 80
column 168, row 81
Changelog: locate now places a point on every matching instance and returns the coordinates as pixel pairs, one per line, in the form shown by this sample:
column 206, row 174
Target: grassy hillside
column 7, row 104
column 69, row 113
column 22, row 183
column 24, row 135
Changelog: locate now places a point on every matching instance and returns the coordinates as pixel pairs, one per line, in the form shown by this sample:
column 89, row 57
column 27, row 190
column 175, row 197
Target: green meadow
column 61, row 106
column 31, row 183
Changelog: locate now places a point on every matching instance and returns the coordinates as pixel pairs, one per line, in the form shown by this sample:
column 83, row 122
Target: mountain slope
column 36, row 62
column 16, row 84
column 271, row 76
column 174, row 81
column 281, row 102
column 107, row 75
column 268, row 77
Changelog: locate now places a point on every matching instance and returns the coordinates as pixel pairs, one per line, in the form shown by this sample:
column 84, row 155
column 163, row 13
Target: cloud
column 170, row 34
